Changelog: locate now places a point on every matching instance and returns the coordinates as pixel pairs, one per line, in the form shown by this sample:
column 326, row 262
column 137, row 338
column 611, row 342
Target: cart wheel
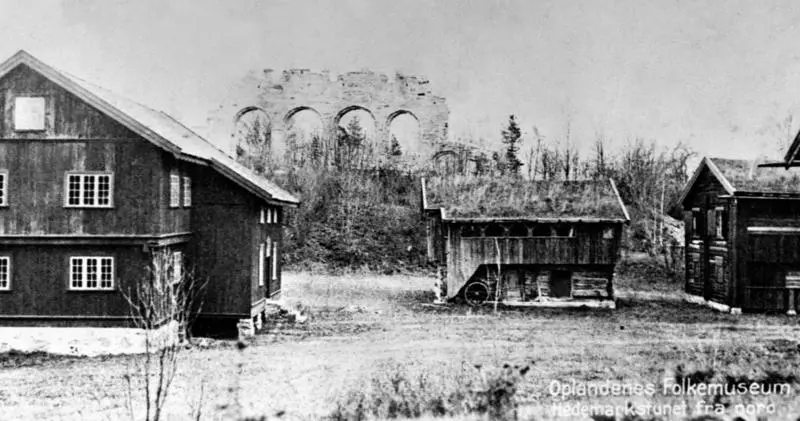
column 476, row 293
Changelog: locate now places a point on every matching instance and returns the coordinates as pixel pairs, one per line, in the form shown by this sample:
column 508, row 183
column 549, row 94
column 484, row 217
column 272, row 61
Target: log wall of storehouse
column 587, row 253
column 769, row 253
column 742, row 228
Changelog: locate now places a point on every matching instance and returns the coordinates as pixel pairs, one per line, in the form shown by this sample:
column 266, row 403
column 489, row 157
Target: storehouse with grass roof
column 545, row 243
column 742, row 227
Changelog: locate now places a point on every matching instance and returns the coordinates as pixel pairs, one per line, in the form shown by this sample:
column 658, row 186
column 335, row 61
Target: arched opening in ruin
column 304, row 119
column 404, row 133
column 304, row 135
column 355, row 117
column 354, row 143
column 252, row 132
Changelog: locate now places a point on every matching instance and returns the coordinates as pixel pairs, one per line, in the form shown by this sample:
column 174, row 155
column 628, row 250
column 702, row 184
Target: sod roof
column 745, row 176
column 492, row 198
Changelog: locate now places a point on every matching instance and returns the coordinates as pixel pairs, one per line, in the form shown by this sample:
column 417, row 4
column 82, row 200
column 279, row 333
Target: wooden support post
column 792, row 309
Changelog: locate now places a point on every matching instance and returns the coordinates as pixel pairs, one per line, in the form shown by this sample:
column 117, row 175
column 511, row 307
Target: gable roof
column 486, row 198
column 157, row 127
column 791, row 154
column 742, row 177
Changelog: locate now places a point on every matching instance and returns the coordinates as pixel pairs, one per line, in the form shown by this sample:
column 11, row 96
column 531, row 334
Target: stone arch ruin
column 282, row 96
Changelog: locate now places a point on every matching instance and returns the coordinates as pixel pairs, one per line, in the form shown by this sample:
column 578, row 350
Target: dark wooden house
column 92, row 184
column 742, row 227
column 524, row 242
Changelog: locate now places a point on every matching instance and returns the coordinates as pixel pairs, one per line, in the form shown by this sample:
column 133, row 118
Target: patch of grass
column 361, row 321
column 401, row 391
column 645, row 274
column 16, row 359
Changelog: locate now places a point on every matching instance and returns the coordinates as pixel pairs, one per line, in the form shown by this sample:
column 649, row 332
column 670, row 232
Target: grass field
column 360, row 326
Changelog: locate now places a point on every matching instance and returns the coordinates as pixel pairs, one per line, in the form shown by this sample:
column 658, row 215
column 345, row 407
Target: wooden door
column 560, row 284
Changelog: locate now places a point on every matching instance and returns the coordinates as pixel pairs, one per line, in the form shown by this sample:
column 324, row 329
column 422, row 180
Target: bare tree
column 169, row 296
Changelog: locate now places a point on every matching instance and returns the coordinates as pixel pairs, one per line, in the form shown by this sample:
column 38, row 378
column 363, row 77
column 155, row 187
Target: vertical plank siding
column 708, row 258
column 222, row 241
column 222, row 219
column 40, row 281
column 587, row 255
column 766, row 257
column 78, row 138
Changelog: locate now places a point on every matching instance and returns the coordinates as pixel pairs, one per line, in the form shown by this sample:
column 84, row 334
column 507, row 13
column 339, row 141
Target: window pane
column 106, row 272
column 2, row 189
column 187, row 191
column 88, row 189
column 91, row 273
column 103, row 190
column 76, row 273
column 174, row 190
column 261, row 256
column 4, row 272
column 74, row 194
column 274, row 261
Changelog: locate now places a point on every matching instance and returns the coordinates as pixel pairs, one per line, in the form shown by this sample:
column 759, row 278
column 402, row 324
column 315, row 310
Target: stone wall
column 281, row 96
column 84, row 341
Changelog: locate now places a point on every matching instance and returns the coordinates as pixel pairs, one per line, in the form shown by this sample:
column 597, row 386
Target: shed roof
column 155, row 126
column 470, row 198
column 743, row 177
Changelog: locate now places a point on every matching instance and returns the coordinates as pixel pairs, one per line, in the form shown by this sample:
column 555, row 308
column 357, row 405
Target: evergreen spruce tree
column 511, row 138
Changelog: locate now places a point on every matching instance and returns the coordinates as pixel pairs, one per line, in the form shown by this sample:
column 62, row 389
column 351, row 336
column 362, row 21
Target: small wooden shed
column 548, row 243
column 742, row 228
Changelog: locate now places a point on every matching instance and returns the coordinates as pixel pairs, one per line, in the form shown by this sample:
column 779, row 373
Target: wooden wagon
column 539, row 243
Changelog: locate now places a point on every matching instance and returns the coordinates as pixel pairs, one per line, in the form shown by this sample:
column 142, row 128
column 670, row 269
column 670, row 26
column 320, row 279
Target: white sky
column 719, row 74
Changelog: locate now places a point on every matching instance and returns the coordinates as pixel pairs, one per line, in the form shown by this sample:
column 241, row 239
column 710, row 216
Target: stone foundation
column 724, row 308
column 85, row 341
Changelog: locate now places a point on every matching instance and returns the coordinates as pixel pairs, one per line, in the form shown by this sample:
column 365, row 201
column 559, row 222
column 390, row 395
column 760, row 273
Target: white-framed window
column 3, row 188
column 274, row 260
column 262, row 216
column 5, row 273
column 262, row 251
column 29, row 113
column 89, row 190
column 187, row 192
column 792, row 279
column 89, row 273
column 721, row 222
column 697, row 223
column 174, row 190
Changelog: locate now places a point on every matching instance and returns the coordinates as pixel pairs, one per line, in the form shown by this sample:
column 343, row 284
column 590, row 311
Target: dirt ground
column 359, row 323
